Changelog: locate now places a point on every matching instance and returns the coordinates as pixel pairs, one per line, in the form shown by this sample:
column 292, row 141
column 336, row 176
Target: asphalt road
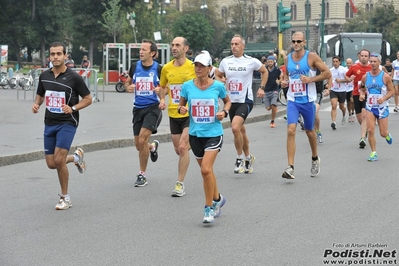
column 267, row 220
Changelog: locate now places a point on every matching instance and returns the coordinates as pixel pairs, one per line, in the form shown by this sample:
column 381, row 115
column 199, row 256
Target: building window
column 293, row 11
column 251, row 11
column 369, row 7
column 308, row 11
column 224, row 14
column 327, row 10
column 348, row 11
column 265, row 13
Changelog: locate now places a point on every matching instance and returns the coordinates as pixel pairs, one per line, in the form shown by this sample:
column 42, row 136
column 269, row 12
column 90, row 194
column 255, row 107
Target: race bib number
column 54, row 101
column 144, row 86
column 297, row 88
column 175, row 92
column 235, row 86
column 203, row 110
column 349, row 85
column 372, row 100
column 396, row 74
column 359, row 85
column 336, row 85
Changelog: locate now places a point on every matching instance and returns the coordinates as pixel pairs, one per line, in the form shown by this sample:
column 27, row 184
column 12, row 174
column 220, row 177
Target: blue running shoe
column 373, row 157
column 217, row 205
column 208, row 215
column 319, row 137
column 389, row 139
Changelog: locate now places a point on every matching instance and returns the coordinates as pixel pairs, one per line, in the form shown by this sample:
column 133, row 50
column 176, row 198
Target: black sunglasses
column 296, row 41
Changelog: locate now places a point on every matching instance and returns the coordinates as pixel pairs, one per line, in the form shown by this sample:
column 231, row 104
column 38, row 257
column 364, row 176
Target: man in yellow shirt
column 173, row 75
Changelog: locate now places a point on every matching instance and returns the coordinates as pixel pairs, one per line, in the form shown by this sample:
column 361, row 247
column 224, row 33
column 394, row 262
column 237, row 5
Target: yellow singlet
column 173, row 77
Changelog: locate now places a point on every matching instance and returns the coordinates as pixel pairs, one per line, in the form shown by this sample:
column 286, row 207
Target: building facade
column 261, row 17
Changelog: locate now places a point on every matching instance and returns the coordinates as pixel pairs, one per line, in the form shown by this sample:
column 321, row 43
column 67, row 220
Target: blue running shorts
column 60, row 136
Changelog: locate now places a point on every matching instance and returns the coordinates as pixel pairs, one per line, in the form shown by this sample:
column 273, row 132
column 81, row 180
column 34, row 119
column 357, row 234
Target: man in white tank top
column 237, row 70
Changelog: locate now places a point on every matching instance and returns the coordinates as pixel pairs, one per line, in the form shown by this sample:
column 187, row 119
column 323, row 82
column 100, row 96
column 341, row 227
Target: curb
column 113, row 144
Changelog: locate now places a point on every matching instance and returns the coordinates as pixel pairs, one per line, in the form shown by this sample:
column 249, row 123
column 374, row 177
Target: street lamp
column 131, row 17
column 157, row 10
column 203, row 7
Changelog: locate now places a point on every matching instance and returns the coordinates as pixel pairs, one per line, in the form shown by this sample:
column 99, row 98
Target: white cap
column 204, row 58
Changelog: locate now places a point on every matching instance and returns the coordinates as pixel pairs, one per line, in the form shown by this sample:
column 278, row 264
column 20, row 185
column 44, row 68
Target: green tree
column 112, row 18
column 196, row 29
column 222, row 33
column 383, row 18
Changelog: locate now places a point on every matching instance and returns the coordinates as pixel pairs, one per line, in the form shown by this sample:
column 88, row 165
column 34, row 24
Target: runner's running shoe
column 319, row 137
column 239, row 166
column 154, row 154
column 373, row 157
column 217, row 205
column 141, row 181
column 209, row 215
column 389, row 139
column 315, row 170
column 63, row 204
column 288, row 173
column 362, row 143
column 179, row 190
column 81, row 164
column 249, row 165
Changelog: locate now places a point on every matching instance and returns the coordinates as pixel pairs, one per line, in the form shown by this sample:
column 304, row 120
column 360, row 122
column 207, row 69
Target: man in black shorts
column 173, row 75
column 59, row 89
column 143, row 81
column 337, row 91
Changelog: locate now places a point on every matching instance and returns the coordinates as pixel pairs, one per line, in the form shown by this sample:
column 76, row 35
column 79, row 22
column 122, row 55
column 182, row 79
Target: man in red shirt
column 355, row 74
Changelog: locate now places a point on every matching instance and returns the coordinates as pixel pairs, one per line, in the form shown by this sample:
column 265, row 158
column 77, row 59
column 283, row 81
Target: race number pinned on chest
column 175, row 92
column 54, row 101
column 203, row 110
column 144, row 86
column 297, row 88
column 372, row 100
column 235, row 86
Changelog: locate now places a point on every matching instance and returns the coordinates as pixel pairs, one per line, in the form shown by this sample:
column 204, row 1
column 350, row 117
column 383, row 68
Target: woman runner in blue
column 206, row 132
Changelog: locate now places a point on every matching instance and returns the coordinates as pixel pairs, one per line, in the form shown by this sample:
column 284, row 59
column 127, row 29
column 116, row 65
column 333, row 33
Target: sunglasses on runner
column 296, row 41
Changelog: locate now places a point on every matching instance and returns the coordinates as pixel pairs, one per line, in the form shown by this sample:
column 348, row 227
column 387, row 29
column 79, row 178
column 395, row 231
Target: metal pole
column 307, row 24
column 134, row 32
column 244, row 21
column 322, row 28
column 156, row 15
column 369, row 15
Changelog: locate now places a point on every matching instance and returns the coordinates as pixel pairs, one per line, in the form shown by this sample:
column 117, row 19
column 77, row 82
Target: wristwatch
column 262, row 87
column 226, row 113
column 73, row 108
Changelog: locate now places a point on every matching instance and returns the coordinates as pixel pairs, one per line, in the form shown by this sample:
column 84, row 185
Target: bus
column 348, row 44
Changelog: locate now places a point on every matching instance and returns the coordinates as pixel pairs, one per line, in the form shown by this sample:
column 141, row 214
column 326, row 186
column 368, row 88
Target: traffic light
column 283, row 18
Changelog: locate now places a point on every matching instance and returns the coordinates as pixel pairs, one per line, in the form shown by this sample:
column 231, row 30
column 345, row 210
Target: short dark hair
column 337, row 57
column 58, row 44
column 365, row 50
column 153, row 45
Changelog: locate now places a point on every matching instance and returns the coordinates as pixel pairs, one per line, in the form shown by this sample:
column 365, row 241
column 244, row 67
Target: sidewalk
column 103, row 125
